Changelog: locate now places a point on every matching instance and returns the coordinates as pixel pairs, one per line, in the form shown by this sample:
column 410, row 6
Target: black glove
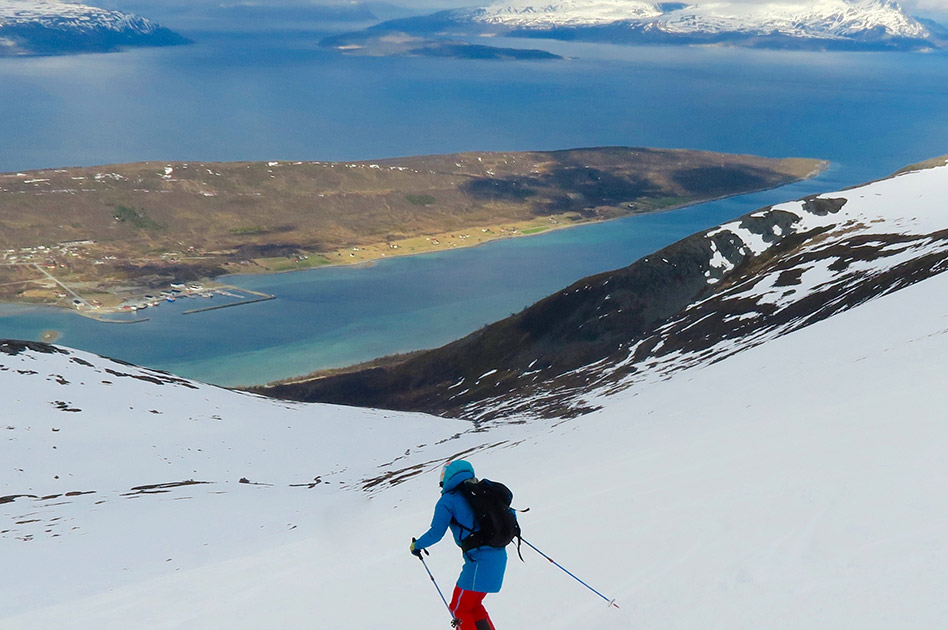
column 415, row 552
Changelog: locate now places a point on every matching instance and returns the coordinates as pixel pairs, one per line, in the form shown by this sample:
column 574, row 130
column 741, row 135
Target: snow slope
column 798, row 484
column 793, row 264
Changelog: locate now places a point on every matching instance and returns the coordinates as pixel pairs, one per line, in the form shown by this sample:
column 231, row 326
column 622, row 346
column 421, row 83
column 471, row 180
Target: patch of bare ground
column 161, row 488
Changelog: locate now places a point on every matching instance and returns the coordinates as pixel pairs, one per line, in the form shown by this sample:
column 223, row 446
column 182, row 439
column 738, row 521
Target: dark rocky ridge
column 14, row 347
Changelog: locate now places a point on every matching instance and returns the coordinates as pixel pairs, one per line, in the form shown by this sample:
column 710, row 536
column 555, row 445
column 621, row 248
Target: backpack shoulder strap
column 463, row 489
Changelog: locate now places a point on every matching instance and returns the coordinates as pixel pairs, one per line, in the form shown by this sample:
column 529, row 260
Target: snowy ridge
column 768, row 274
column 76, row 422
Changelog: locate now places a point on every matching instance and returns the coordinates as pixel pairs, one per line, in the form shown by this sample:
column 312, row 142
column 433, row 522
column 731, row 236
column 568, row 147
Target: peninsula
column 99, row 239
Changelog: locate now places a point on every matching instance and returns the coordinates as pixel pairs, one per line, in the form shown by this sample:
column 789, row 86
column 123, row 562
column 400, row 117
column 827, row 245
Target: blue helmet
column 454, row 468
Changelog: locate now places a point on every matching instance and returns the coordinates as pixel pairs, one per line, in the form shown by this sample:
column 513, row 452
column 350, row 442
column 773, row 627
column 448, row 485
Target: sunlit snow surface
column 800, row 483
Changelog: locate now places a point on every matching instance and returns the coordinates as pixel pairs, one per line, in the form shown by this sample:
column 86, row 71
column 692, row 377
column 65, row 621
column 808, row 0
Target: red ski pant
column 468, row 608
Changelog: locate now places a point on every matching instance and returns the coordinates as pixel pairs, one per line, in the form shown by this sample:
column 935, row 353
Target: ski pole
column 454, row 621
column 612, row 602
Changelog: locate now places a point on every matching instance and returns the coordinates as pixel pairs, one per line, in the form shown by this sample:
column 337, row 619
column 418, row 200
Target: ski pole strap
column 418, row 552
column 611, row 602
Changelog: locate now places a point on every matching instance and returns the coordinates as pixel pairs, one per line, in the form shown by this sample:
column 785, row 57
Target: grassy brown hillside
column 110, row 231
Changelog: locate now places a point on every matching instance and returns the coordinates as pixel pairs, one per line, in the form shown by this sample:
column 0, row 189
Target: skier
column 484, row 567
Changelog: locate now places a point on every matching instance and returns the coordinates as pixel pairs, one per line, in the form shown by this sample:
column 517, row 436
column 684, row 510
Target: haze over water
column 266, row 97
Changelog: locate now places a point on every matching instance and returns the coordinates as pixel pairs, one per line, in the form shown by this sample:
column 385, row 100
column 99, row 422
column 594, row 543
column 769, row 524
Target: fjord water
column 263, row 97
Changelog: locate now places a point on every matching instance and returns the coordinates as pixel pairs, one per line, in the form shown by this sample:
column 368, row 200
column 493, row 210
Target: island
column 382, row 43
column 55, row 27
column 106, row 239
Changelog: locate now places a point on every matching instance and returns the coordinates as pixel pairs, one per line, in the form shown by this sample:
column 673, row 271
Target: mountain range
column 818, row 25
column 51, row 27
column 48, row 27
column 769, row 453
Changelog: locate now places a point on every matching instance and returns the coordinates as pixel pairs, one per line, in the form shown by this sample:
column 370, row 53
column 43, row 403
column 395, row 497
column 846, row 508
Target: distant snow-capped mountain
column 831, row 19
column 55, row 27
column 822, row 24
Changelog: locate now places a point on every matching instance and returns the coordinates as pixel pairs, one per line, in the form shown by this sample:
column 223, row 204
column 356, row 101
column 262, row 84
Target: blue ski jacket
column 484, row 567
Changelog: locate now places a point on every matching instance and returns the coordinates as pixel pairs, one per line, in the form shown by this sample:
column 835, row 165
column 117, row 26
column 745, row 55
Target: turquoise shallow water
column 262, row 97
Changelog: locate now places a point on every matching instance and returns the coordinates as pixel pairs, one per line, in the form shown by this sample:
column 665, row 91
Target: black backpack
column 495, row 521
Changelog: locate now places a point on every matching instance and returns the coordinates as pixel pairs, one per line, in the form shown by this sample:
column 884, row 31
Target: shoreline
column 824, row 166
column 368, row 255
